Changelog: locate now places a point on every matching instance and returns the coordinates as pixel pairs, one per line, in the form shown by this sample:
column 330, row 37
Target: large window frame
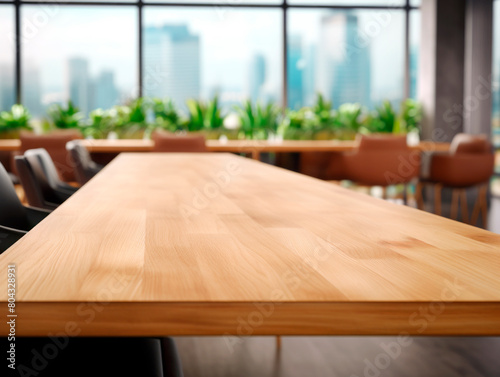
column 284, row 6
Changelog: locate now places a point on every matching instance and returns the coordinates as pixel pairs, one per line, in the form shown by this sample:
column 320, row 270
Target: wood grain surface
column 234, row 146
column 183, row 244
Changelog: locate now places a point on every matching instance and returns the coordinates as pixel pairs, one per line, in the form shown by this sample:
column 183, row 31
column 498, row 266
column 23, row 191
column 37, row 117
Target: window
column 495, row 84
column 352, row 51
column 198, row 53
column 414, row 49
column 84, row 54
column 381, row 3
column 7, row 62
column 347, row 55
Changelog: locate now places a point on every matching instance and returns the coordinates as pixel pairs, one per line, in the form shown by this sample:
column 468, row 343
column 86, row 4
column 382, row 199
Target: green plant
column 166, row 114
column 69, row 117
column 258, row 121
column 129, row 121
column 16, row 119
column 410, row 116
column 384, row 118
column 137, row 113
column 299, row 124
column 349, row 116
column 323, row 111
column 100, row 124
column 204, row 116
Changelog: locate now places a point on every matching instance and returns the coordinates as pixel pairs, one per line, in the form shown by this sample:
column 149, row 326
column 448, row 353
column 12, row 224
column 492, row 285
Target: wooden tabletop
column 235, row 146
column 181, row 244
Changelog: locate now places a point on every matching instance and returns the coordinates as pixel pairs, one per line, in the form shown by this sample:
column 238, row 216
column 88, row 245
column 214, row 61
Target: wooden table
column 216, row 244
column 253, row 147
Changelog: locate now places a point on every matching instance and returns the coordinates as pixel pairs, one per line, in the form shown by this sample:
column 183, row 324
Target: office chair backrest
column 382, row 160
column 85, row 168
column 12, row 212
column 55, row 144
column 168, row 142
column 470, row 144
column 47, row 165
column 470, row 162
column 382, row 142
column 35, row 183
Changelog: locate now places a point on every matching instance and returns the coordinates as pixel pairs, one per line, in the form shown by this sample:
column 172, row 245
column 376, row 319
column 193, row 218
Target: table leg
column 256, row 154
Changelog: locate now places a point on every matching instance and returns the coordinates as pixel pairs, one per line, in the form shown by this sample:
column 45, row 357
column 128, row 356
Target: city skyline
column 199, row 70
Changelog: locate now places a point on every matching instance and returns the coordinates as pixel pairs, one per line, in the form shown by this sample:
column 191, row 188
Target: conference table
column 217, row 244
column 252, row 147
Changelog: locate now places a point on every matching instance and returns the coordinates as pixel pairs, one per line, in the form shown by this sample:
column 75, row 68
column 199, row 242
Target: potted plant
column 99, row 125
column 259, row 122
column 65, row 118
column 205, row 118
column 410, row 116
column 130, row 120
column 167, row 116
column 13, row 121
column 349, row 119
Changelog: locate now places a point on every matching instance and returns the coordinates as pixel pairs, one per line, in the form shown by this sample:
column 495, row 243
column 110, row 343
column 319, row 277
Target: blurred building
column 106, row 94
column 295, row 72
column 32, row 91
column 7, row 92
column 344, row 63
column 78, row 84
column 172, row 54
column 257, row 76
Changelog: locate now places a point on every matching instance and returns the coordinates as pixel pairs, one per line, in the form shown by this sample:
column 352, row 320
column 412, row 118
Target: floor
column 340, row 356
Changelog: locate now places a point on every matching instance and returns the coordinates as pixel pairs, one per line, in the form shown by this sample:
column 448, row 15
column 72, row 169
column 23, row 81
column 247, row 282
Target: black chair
column 36, row 185
column 50, row 170
column 15, row 219
column 85, row 168
column 62, row 356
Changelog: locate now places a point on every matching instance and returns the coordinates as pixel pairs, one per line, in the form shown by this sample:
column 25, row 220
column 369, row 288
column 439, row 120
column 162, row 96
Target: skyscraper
column 78, row 84
column 257, row 76
column 172, row 63
column 413, row 71
column 344, row 63
column 7, row 92
column 105, row 93
column 32, row 92
column 295, row 72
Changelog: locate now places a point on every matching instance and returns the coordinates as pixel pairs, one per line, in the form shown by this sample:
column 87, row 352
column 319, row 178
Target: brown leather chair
column 55, row 144
column 470, row 162
column 382, row 160
column 169, row 142
column 328, row 166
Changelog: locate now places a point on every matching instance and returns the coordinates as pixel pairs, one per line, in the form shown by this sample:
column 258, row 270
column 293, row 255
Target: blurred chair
column 101, row 356
column 36, row 185
column 328, row 166
column 470, row 162
column 55, row 144
column 50, row 170
column 382, row 160
column 85, row 168
column 169, row 142
column 15, row 219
